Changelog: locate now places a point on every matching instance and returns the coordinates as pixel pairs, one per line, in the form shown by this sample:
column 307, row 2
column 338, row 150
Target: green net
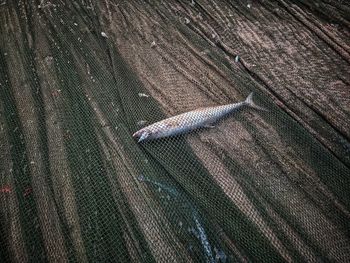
column 79, row 78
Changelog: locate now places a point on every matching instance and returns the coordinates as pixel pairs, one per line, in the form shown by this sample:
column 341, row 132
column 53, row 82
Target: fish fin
column 249, row 101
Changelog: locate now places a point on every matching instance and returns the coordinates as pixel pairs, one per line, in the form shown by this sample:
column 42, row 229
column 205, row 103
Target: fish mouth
column 142, row 135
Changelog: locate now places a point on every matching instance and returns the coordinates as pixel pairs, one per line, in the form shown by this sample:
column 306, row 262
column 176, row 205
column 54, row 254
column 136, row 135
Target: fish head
column 154, row 131
column 142, row 135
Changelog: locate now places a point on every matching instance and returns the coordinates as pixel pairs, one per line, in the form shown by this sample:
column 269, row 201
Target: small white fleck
column 32, row 162
column 104, row 34
column 141, row 122
column 249, row 5
column 187, row 21
column 143, row 95
column 141, row 178
column 237, row 59
column 153, row 44
column 75, row 24
column 48, row 59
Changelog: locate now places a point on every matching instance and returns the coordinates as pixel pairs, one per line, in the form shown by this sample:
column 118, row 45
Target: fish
column 188, row 121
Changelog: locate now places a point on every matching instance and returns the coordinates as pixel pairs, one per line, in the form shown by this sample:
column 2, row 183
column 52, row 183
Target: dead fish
column 185, row 122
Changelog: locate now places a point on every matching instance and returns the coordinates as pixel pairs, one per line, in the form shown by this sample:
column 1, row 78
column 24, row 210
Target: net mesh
column 78, row 79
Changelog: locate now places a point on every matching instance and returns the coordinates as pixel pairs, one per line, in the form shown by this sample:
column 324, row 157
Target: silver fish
column 188, row 121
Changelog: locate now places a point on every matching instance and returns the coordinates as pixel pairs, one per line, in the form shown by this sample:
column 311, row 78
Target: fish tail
column 249, row 101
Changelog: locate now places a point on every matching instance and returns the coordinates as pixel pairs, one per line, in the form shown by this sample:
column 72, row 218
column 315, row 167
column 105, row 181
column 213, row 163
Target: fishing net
column 78, row 78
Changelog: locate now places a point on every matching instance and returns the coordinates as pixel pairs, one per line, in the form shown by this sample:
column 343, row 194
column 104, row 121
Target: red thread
column 5, row 189
column 27, row 191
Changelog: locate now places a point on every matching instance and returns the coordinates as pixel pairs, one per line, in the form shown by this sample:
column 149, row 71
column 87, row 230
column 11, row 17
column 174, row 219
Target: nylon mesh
column 78, row 78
